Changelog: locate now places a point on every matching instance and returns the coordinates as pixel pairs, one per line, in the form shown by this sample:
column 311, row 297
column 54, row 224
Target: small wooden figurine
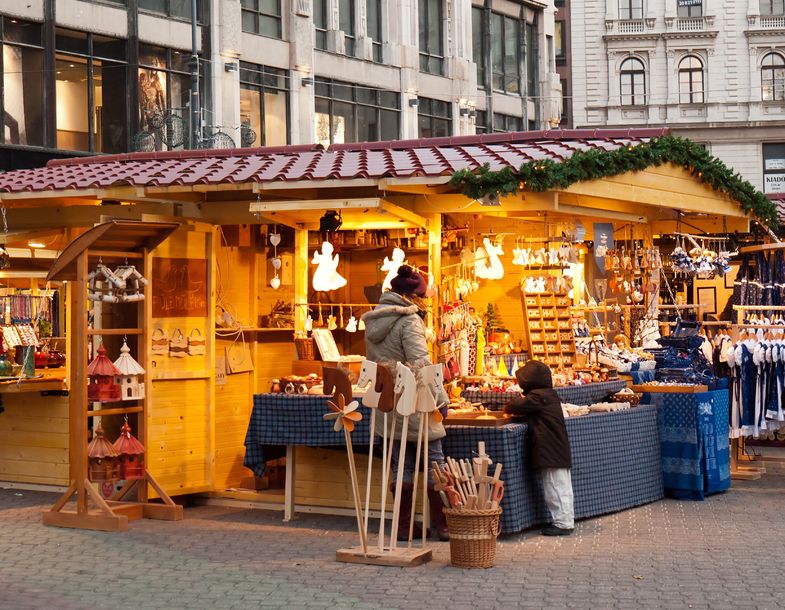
column 102, row 374
column 102, row 458
column 131, row 453
column 131, row 378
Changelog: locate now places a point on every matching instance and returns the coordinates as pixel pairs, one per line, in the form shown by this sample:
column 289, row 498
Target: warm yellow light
column 36, row 244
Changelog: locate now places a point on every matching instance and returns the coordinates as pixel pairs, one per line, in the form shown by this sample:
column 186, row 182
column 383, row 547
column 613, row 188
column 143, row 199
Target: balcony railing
column 634, row 26
column 690, row 24
column 772, row 23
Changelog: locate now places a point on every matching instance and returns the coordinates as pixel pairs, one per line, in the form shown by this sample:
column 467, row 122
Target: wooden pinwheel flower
column 344, row 415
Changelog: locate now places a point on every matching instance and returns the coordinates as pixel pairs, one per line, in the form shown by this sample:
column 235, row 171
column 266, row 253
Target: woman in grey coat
column 395, row 332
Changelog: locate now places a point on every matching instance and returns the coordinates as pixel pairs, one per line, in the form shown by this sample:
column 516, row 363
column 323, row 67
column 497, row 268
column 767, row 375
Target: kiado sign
column 774, row 183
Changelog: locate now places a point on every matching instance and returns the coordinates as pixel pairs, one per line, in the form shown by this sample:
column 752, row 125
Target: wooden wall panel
column 34, row 439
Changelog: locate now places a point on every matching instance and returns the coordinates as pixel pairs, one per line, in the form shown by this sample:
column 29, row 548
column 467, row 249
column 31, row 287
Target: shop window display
column 84, row 65
column 22, row 100
column 263, row 105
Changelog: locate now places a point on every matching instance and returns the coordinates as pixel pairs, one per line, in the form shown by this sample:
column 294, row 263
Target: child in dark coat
column 548, row 443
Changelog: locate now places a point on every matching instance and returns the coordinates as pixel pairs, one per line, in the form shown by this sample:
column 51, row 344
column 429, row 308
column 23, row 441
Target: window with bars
column 772, row 76
column 262, row 17
column 434, row 118
column 431, row 36
column 691, row 90
column 263, row 106
column 350, row 113
column 630, row 9
column 633, row 82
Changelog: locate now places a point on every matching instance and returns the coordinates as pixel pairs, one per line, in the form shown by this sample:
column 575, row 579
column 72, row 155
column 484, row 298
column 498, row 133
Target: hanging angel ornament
column 391, row 266
column 326, row 276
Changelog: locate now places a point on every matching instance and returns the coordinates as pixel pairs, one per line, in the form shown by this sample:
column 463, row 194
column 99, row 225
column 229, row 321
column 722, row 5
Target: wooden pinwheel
column 344, row 415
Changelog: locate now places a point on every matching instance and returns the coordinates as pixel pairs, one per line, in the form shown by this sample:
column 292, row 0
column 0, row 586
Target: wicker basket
column 473, row 537
column 304, row 347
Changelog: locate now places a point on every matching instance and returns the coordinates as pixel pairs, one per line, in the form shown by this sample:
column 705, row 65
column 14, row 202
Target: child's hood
column 534, row 376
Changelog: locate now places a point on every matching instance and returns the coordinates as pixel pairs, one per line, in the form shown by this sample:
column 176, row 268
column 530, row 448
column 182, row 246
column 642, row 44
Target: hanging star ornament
column 344, row 415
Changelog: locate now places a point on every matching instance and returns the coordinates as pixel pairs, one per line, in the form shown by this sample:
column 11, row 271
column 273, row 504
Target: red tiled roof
column 405, row 158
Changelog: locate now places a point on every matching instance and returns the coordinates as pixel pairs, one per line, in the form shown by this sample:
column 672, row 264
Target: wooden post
column 300, row 278
column 78, row 391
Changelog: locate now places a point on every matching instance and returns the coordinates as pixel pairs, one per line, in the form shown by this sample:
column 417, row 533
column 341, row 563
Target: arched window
column 772, row 76
column 691, row 80
column 633, row 82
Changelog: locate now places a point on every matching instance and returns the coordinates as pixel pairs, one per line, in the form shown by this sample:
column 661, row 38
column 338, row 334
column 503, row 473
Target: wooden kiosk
column 114, row 241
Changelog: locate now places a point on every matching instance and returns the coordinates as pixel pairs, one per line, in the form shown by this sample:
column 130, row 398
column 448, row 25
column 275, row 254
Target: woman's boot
column 438, row 520
column 405, row 514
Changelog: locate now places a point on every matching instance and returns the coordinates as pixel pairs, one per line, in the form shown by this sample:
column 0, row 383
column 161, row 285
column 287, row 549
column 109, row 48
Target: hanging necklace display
column 275, row 239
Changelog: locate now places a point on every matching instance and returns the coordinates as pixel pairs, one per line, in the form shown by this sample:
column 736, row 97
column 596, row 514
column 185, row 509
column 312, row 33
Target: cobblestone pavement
column 726, row 552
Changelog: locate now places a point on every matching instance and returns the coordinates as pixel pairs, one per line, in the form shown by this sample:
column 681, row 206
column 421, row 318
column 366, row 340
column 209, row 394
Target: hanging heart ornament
column 276, row 261
column 275, row 283
column 275, row 239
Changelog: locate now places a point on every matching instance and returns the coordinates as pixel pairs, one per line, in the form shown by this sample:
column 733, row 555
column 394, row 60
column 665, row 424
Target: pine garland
column 595, row 164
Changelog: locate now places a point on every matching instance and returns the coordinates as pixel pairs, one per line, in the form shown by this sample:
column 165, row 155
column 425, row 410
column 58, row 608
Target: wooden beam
column 300, row 278
column 309, row 184
column 574, row 210
column 405, row 214
column 321, row 204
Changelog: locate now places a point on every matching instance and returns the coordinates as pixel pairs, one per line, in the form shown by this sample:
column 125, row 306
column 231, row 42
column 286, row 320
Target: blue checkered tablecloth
column 574, row 394
column 616, row 456
column 694, row 442
column 616, row 464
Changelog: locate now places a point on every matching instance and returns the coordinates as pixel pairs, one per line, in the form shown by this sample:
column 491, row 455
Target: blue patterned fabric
column 639, row 377
column 693, row 441
column 616, row 460
column 574, row 394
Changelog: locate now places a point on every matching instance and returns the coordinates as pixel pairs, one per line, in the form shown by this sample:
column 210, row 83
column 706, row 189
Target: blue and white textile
column 573, row 394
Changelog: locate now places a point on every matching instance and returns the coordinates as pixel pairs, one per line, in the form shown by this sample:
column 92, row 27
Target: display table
column 574, row 394
column 616, row 456
column 694, row 442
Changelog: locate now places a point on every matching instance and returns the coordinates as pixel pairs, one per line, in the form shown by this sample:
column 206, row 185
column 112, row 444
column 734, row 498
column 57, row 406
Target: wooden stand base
column 114, row 514
column 747, row 473
column 399, row 558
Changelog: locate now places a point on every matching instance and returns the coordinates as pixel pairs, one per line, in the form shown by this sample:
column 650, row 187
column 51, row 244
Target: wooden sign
column 179, row 287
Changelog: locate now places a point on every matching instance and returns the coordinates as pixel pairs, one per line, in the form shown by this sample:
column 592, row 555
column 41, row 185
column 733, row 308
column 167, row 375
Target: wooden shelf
column 252, row 329
column 114, row 411
column 176, row 375
column 114, row 331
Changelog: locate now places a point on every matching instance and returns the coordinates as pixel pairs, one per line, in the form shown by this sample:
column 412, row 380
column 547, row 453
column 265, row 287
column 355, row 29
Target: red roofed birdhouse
column 102, row 458
column 131, row 378
column 101, row 374
column 131, row 454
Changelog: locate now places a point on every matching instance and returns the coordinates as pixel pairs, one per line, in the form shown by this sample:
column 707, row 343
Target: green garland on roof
column 595, row 164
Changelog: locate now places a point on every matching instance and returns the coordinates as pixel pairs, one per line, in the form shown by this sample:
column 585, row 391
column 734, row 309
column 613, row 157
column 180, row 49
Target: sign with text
column 774, row 183
column 179, row 288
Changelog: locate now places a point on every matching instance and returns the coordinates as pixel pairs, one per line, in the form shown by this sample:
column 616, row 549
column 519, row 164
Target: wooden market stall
column 229, row 203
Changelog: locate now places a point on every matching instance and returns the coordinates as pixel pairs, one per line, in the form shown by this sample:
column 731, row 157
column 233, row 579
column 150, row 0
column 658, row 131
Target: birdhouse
column 103, row 464
column 101, row 375
column 131, row 377
column 131, row 454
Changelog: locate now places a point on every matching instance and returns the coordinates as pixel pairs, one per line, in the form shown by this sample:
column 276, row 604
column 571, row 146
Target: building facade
column 711, row 71
column 109, row 76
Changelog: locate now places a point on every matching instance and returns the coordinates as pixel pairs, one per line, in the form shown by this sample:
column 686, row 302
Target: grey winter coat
column 394, row 332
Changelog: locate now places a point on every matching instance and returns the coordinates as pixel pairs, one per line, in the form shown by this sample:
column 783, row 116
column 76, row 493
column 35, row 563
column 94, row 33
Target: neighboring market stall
column 280, row 251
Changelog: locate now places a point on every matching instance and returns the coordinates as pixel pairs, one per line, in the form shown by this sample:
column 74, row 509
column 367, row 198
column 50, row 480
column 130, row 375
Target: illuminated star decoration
column 344, row 415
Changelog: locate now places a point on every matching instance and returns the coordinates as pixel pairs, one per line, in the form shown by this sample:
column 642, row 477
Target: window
column 691, row 80
column 434, row 118
column 481, row 121
column 320, row 24
column 630, row 9
column 633, row 82
column 165, row 89
column 689, row 8
column 22, row 99
column 505, row 53
column 263, row 106
column 505, row 122
column 431, row 36
column 479, row 45
column 772, row 76
column 86, row 67
column 348, row 113
column 532, row 54
column 346, row 24
column 772, row 7
column 565, row 102
column 262, row 17
column 560, row 38
column 373, row 11
column 171, row 8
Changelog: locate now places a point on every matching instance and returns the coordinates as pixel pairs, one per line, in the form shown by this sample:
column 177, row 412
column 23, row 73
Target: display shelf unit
column 549, row 337
column 114, row 240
